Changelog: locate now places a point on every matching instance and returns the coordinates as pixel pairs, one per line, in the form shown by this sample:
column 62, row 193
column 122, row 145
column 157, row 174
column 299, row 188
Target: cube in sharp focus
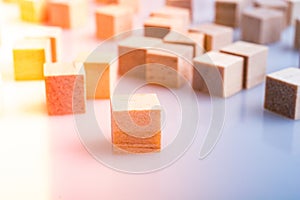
column 136, row 123
column 297, row 34
column 65, row 93
column 169, row 65
column 282, row 93
column 220, row 74
column 194, row 39
column 132, row 52
column 216, row 36
column 67, row 14
column 29, row 56
column 32, row 10
column 255, row 61
column 262, row 26
column 293, row 10
column 112, row 20
column 228, row 12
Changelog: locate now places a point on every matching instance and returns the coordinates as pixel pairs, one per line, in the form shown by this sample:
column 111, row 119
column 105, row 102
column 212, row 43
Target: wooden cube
column 66, row 13
column 214, row 66
column 136, row 123
column 293, row 10
column 282, row 94
column 255, row 61
column 32, row 10
column 216, row 36
column 181, row 4
column 297, row 34
column 52, row 33
column 29, row 56
column 194, row 39
column 112, row 20
column 133, row 4
column 262, row 26
column 65, row 92
column 132, row 52
column 159, row 27
column 228, row 12
column 169, row 64
column 107, row 1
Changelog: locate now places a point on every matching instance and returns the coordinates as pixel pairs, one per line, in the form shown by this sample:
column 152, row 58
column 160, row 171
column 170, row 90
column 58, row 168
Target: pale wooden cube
column 228, row 12
column 169, row 65
column 194, row 39
column 112, row 20
column 188, row 4
column 136, row 123
column 213, row 66
column 133, row 4
column 282, row 93
column 64, row 84
column 255, row 61
column 32, row 10
column 297, row 34
column 132, row 52
column 216, row 36
column 293, row 10
column 67, row 13
column 262, row 26
column 29, row 56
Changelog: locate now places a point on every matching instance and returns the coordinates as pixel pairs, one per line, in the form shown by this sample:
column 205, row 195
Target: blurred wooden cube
column 218, row 74
column 216, row 36
column 107, row 1
column 262, row 26
column 188, row 4
column 112, row 20
column 297, row 34
column 133, row 4
column 255, row 61
column 29, row 56
column 32, row 10
column 282, row 93
column 67, row 14
column 136, row 123
column 293, row 10
column 65, row 92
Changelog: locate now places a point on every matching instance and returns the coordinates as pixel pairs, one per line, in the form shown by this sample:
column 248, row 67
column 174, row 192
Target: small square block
column 67, row 13
column 136, row 123
column 216, row 36
column 32, row 10
column 169, row 64
column 293, row 10
column 132, row 52
column 214, row 66
column 262, row 26
column 297, row 34
column 255, row 61
column 112, row 20
column 29, row 56
column 65, row 92
column 282, row 93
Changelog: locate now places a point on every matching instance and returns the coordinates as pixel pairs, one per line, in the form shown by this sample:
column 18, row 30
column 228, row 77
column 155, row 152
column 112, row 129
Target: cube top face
column 171, row 11
column 44, row 32
column 135, row 102
column 263, row 13
column 94, row 58
column 184, row 38
column 173, row 50
column 31, row 43
column 289, row 75
column 270, row 4
column 212, row 29
column 114, row 10
column 244, row 48
column 162, row 22
column 61, row 69
column 140, row 42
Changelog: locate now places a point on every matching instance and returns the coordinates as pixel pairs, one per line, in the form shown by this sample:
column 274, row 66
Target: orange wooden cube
column 65, row 92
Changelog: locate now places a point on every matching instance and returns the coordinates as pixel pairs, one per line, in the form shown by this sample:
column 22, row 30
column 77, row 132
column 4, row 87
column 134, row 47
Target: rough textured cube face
column 29, row 57
column 216, row 36
column 32, row 10
column 65, row 92
column 112, row 20
column 255, row 61
column 136, row 123
column 297, row 34
column 282, row 93
column 293, row 10
column 214, row 66
column 262, row 26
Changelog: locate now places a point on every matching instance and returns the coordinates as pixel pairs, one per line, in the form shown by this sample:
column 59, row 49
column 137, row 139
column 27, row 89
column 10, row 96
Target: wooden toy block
column 182, row 14
column 136, row 123
column 228, row 12
column 181, row 4
column 282, row 94
column 52, row 33
column 279, row 5
column 106, row 1
column 66, row 13
column 97, row 73
column 216, row 36
column 159, row 27
column 293, row 10
column 29, row 56
column 32, row 10
column 132, row 52
column 169, row 64
column 133, row 4
column 262, row 26
column 255, row 61
column 65, row 92
column 297, row 34
column 112, row 20
column 11, row 1
column 214, row 66
column 194, row 39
